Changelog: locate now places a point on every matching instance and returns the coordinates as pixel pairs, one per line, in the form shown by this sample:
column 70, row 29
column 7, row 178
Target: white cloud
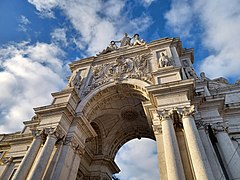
column 97, row 22
column 29, row 73
column 220, row 26
column 59, row 36
column 221, row 20
column 179, row 17
column 147, row 3
column 44, row 7
column 138, row 160
column 23, row 22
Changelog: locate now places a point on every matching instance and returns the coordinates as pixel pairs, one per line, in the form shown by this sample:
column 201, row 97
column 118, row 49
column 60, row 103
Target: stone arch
column 97, row 142
column 115, row 111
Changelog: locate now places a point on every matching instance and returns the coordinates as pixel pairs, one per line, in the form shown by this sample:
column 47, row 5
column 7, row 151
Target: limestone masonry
column 132, row 89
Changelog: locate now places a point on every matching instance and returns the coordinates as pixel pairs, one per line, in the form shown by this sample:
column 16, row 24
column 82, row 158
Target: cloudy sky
column 39, row 38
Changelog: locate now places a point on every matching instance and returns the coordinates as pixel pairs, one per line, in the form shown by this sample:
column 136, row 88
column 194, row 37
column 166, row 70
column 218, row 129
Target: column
column 199, row 159
column 209, row 149
column 66, row 159
column 157, row 129
column 171, row 150
column 75, row 166
column 45, row 155
column 231, row 157
column 29, row 158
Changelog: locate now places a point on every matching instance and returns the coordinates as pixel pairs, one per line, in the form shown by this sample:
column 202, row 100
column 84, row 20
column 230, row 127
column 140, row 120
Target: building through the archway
column 131, row 90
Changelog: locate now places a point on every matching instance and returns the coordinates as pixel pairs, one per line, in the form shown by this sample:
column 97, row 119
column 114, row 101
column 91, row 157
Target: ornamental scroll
column 123, row 68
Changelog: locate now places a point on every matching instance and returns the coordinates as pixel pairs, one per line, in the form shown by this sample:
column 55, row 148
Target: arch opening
column 137, row 159
column 116, row 114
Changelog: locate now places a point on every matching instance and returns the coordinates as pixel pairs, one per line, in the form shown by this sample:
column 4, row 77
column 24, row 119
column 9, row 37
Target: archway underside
column 118, row 118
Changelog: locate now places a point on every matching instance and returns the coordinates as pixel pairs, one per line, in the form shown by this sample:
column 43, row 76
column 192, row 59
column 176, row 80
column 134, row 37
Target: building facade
column 131, row 89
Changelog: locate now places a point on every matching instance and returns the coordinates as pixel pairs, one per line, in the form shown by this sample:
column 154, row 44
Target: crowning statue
column 125, row 41
column 111, row 47
column 137, row 40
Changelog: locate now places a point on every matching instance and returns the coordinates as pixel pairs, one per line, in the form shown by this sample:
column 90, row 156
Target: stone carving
column 35, row 118
column 203, row 77
column 55, row 132
column 176, row 116
column 70, row 140
column 172, row 114
column 157, row 129
column 123, row 68
column 163, row 114
column 237, row 82
column 218, row 83
column 76, row 80
column 111, row 47
column 5, row 160
column 164, row 60
column 220, row 126
column 189, row 71
column 137, row 41
column 37, row 133
column 188, row 111
column 125, row 41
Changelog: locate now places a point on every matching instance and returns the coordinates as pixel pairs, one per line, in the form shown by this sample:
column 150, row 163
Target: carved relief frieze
column 123, row 68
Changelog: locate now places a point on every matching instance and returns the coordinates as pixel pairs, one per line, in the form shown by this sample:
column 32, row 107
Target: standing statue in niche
column 190, row 73
column 164, row 60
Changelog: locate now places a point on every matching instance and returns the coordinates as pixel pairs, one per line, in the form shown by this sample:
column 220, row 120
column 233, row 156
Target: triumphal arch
column 132, row 89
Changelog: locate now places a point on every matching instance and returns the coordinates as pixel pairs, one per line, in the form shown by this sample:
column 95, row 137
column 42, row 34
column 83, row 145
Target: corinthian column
column 29, row 157
column 199, row 159
column 45, row 155
column 171, row 150
column 228, row 150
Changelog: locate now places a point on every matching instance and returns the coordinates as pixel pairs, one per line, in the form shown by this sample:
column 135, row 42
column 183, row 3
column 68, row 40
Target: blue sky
column 39, row 38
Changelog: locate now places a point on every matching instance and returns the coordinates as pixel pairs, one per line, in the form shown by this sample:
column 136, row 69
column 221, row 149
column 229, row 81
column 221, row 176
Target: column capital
column 157, row 129
column 188, row 111
column 56, row 132
column 163, row 115
column 220, row 127
column 75, row 145
column 39, row 134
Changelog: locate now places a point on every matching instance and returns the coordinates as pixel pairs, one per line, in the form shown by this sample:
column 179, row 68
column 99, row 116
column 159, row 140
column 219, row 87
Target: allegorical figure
column 76, row 81
column 164, row 60
column 190, row 73
column 111, row 47
column 137, row 40
column 125, row 41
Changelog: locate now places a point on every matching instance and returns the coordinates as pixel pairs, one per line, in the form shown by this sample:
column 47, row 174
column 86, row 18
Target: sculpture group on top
column 125, row 41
